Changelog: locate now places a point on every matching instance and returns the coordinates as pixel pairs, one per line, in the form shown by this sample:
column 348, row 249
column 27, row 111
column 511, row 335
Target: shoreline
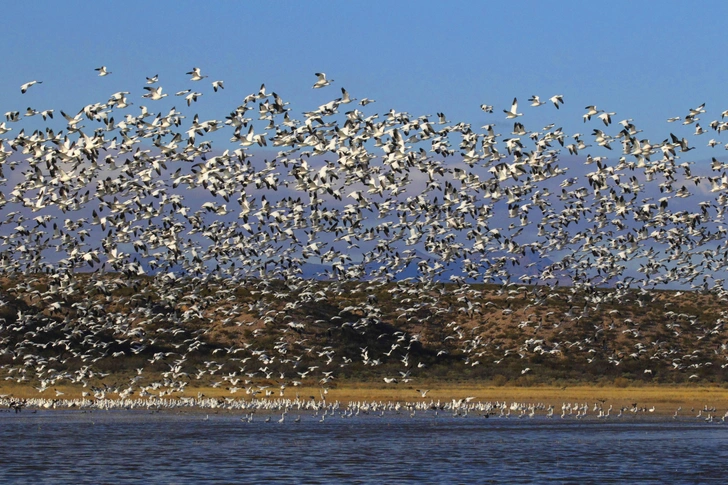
column 661, row 401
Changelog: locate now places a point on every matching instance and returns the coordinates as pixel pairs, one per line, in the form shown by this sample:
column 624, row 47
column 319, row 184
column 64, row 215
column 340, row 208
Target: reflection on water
column 129, row 447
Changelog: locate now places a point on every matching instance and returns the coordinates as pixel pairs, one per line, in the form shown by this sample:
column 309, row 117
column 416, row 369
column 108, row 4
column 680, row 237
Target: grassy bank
column 665, row 399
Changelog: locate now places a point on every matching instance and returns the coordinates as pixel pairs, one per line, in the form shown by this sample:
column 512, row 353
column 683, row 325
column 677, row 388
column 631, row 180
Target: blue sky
column 648, row 61
column 644, row 60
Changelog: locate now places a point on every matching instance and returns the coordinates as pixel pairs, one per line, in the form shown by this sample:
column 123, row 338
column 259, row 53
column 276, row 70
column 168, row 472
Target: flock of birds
column 117, row 194
column 319, row 410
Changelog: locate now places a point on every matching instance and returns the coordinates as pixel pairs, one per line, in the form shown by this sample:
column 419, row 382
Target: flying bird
column 513, row 112
column 536, row 101
column 196, row 74
column 27, row 85
column 154, row 93
column 557, row 99
column 322, row 81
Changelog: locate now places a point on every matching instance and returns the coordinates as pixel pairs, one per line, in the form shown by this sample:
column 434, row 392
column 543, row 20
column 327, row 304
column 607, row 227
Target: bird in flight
column 557, row 99
column 196, row 74
column 513, row 112
column 536, row 101
column 154, row 93
column 27, row 85
column 322, row 81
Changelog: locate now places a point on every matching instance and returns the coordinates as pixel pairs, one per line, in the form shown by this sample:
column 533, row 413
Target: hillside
column 166, row 333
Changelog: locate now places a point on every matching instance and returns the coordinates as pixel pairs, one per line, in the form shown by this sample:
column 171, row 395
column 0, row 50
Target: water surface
column 139, row 447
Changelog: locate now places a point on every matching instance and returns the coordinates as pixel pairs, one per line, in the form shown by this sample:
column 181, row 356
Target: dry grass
column 665, row 399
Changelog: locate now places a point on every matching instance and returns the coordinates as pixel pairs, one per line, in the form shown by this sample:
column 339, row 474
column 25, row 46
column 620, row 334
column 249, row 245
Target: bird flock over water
column 126, row 221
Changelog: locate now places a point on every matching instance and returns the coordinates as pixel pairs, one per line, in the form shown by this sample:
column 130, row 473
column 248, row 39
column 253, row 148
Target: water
column 166, row 448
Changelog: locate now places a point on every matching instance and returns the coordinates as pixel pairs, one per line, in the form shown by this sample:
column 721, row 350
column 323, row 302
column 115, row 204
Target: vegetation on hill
column 163, row 332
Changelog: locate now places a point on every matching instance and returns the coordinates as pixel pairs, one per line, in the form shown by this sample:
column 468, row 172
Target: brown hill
column 173, row 332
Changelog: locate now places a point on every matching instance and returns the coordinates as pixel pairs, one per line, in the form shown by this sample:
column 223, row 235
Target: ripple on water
column 167, row 448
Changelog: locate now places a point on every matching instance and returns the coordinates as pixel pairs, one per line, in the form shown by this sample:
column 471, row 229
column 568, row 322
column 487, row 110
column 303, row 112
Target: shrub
column 621, row 382
column 499, row 380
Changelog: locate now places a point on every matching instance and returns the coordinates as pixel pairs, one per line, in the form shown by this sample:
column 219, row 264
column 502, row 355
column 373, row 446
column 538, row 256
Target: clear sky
column 644, row 60
column 648, row 61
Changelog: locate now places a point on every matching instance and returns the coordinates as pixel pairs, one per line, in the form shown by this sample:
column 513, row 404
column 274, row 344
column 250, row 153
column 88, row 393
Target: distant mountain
column 528, row 265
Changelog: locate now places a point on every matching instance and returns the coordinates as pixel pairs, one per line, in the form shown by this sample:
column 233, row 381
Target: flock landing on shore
column 126, row 231
column 296, row 410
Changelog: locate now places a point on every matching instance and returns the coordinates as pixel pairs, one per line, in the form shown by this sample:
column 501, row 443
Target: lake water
column 137, row 447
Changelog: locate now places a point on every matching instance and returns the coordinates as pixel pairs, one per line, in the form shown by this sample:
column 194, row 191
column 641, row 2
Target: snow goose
column 27, row 85
column 557, row 99
column 513, row 112
column 196, row 74
column 322, row 81
column 154, row 93
column 536, row 101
